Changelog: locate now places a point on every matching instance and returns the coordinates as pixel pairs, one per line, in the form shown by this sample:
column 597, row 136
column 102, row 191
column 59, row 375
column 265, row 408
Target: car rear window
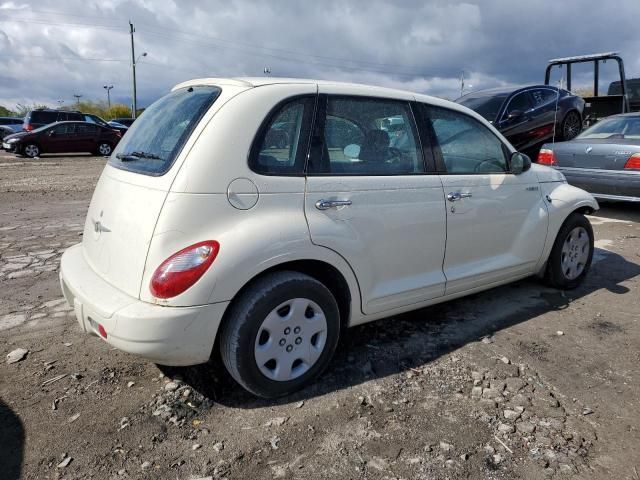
column 43, row 117
column 156, row 138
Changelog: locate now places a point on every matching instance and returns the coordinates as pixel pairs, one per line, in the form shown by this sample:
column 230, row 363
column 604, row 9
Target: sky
column 51, row 50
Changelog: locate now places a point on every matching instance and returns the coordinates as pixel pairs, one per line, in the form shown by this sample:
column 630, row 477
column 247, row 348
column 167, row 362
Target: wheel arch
column 320, row 270
column 563, row 200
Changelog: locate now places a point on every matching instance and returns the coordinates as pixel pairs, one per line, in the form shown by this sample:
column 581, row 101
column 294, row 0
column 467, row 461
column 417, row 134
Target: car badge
column 588, row 150
column 98, row 227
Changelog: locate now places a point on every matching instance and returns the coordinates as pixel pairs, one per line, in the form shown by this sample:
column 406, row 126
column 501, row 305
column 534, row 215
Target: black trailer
column 597, row 106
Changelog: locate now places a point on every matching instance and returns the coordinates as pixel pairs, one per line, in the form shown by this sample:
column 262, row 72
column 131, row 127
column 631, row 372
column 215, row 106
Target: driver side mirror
column 519, row 163
column 515, row 114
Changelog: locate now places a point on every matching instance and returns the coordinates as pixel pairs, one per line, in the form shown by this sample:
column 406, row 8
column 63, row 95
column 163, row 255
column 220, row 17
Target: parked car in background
column 5, row 131
column 91, row 118
column 203, row 232
column 127, row 122
column 63, row 137
column 529, row 116
column 13, row 123
column 44, row 116
column 603, row 160
column 118, row 126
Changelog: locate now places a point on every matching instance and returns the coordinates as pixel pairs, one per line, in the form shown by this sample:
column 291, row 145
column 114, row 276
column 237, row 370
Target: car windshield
column 616, row 127
column 155, row 139
column 486, row 105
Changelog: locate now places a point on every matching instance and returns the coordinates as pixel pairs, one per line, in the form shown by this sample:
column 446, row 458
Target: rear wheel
column 31, row 150
column 280, row 334
column 104, row 149
column 571, row 125
column 572, row 253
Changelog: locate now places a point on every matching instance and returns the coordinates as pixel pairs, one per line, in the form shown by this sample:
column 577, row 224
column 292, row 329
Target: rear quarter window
column 42, row 117
column 156, row 138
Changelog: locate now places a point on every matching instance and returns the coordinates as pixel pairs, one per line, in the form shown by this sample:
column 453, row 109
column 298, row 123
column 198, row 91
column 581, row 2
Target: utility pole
column 461, row 82
column 133, row 67
column 78, row 97
column 108, row 88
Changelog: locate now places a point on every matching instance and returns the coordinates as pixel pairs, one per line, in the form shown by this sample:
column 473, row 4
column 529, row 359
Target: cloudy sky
column 51, row 50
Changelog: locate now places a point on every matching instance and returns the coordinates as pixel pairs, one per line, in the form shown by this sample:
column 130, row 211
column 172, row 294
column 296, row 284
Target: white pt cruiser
column 261, row 216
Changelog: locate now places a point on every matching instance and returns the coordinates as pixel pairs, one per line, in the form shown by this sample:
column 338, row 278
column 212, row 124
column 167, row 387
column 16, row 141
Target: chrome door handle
column 455, row 196
column 327, row 204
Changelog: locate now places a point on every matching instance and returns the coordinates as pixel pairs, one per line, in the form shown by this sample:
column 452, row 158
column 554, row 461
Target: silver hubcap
column 31, row 150
column 290, row 339
column 575, row 253
column 104, row 149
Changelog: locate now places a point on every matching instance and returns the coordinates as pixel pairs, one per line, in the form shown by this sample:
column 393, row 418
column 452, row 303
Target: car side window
column 466, row 146
column 86, row 129
column 368, row 136
column 281, row 145
column 542, row 96
column 64, row 129
column 521, row 102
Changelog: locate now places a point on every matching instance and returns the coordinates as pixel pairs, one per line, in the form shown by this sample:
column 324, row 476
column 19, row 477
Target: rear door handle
column 327, row 204
column 455, row 196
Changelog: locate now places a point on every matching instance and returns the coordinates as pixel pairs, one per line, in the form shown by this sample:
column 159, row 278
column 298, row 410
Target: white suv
column 263, row 215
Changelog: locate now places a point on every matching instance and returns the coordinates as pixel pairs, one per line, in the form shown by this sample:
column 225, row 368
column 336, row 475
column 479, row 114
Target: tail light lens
column 547, row 157
column 28, row 127
column 633, row 162
column 182, row 269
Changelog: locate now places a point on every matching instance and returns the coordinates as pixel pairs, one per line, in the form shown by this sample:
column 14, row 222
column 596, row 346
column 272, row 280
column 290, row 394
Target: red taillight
column 182, row 269
column 29, row 127
column 102, row 331
column 633, row 162
column 547, row 157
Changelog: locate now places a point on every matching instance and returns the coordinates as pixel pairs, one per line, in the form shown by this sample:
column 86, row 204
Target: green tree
column 5, row 112
column 118, row 110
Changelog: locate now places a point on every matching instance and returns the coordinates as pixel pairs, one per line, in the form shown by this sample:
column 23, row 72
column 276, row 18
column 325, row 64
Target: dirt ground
column 521, row 381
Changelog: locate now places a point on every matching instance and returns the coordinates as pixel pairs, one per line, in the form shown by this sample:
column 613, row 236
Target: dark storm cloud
column 418, row 45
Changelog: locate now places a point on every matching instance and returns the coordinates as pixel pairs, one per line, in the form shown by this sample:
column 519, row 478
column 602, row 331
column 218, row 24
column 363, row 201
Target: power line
column 49, row 57
column 62, row 24
column 224, row 42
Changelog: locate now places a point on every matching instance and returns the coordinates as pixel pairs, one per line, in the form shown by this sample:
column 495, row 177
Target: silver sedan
column 603, row 160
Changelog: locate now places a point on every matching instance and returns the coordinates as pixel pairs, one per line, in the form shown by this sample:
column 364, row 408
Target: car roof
column 75, row 121
column 253, row 82
column 506, row 90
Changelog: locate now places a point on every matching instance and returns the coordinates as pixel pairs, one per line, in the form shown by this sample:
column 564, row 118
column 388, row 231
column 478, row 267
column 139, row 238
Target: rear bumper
column 603, row 184
column 174, row 336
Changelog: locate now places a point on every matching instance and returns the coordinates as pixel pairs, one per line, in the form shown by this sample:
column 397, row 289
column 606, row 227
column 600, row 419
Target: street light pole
column 108, row 88
column 78, row 97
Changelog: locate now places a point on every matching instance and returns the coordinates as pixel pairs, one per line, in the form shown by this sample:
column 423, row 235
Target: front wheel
column 104, row 149
column 572, row 253
column 280, row 334
column 31, row 150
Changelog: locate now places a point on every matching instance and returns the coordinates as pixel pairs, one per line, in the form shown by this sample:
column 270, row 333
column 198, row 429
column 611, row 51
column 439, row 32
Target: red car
column 63, row 137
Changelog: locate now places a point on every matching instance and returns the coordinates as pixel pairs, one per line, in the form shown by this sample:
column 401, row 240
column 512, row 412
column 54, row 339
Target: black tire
column 31, row 150
column 245, row 317
column 555, row 274
column 571, row 125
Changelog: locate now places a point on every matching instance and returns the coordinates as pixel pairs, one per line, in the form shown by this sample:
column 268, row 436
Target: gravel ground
column 521, row 381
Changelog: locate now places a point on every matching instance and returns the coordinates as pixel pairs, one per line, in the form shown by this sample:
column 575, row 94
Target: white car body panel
column 398, row 246
column 497, row 233
column 391, row 234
